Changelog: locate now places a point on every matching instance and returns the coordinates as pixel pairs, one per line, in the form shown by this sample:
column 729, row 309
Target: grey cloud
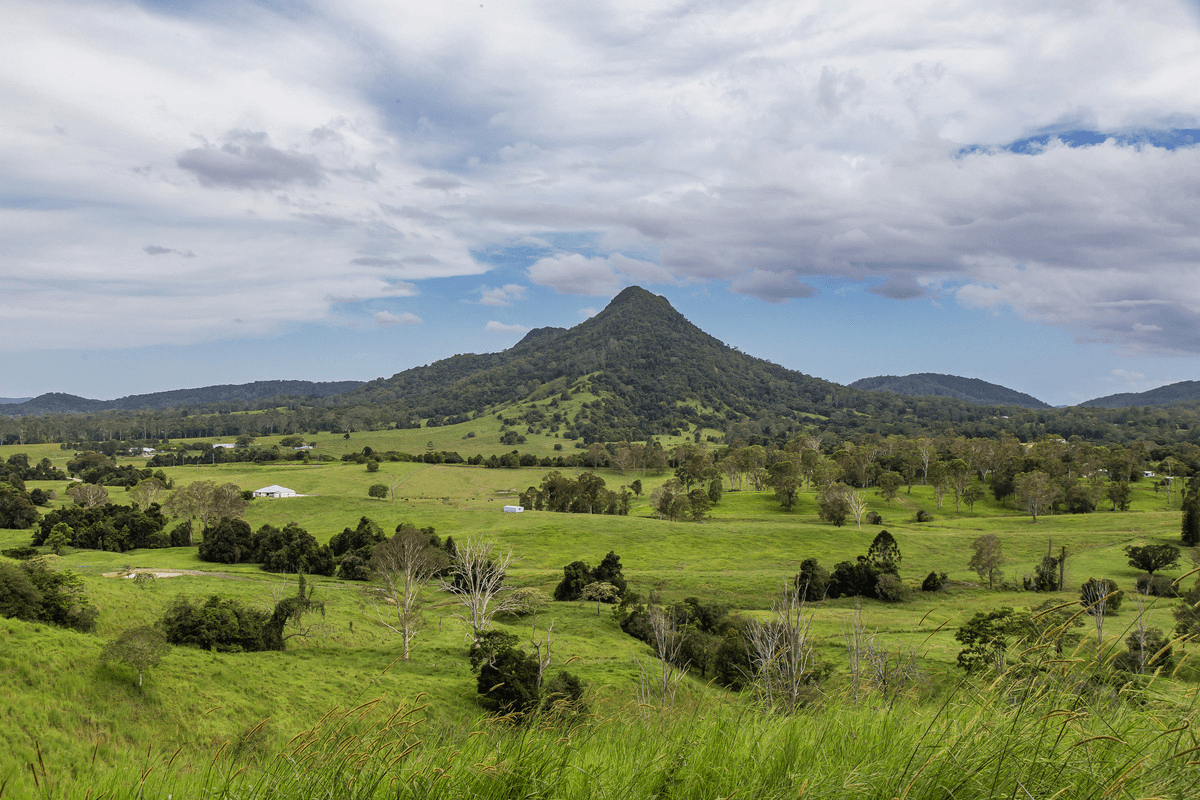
column 442, row 183
column 157, row 250
column 247, row 160
column 771, row 287
column 899, row 288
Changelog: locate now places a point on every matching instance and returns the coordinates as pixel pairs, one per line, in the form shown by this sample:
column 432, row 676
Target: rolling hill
column 930, row 384
column 1182, row 392
column 59, row 403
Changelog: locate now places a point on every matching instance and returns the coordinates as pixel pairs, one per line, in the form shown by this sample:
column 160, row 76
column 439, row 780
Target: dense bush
column 1157, row 585
column 32, row 591
column 230, row 541
column 108, row 527
column 219, row 623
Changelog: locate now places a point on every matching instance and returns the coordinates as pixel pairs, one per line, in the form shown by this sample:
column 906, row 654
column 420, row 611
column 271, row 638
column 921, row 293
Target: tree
column 884, row 553
column 857, row 505
column 230, row 541
column 1191, row 512
column 477, row 580
column 208, row 501
column 889, row 486
column 148, row 491
column 402, row 567
column 60, row 537
column 34, row 592
column 16, row 509
column 958, row 475
column 987, row 558
column 1119, row 493
column 784, row 478
column 87, row 495
column 141, row 648
column 609, row 571
column 601, row 592
column 378, row 490
column 973, row 494
column 576, row 575
column 1036, row 491
column 987, row 637
column 812, row 581
column 1152, row 557
column 833, row 505
column 783, row 653
column 1098, row 598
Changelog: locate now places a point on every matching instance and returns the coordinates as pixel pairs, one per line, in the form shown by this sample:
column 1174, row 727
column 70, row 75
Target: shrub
column 924, row 516
column 933, row 582
column 890, row 589
column 378, row 490
column 1157, row 585
column 873, row 518
column 812, row 580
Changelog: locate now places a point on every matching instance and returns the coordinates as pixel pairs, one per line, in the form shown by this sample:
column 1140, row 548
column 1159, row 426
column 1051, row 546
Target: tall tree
column 1036, row 491
column 401, row 568
column 1191, row 512
column 988, row 558
column 476, row 578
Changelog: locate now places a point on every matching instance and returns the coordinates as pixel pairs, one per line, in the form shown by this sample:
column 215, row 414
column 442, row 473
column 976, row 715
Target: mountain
column 1182, row 392
column 646, row 370
column 58, row 403
column 930, row 384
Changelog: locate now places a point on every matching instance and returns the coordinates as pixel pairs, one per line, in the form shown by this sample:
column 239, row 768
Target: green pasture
column 89, row 720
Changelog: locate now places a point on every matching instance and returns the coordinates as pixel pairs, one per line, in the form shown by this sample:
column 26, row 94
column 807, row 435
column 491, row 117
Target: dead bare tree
column 401, row 568
column 856, row 647
column 781, row 652
column 541, row 651
column 477, row 579
column 667, row 640
column 857, row 505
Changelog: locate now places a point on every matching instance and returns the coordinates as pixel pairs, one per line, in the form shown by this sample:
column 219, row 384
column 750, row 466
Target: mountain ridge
column 62, row 403
column 933, row 384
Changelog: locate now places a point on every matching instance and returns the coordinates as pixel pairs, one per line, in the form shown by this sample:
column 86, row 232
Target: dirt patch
column 164, row 573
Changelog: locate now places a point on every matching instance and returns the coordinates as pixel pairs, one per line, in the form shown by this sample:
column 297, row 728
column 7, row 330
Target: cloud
column 156, row 250
column 574, row 273
column 899, row 288
column 772, row 287
column 388, row 319
column 504, row 295
column 499, row 327
column 247, row 160
column 358, row 148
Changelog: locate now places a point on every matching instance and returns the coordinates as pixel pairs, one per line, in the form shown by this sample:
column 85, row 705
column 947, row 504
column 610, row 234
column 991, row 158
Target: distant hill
column 58, row 403
column 6, row 400
column 649, row 370
column 930, row 384
column 1182, row 392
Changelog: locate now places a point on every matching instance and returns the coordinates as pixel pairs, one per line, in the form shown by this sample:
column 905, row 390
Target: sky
column 221, row 192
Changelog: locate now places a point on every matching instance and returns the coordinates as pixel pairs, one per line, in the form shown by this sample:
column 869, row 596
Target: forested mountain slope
column 58, row 403
column 652, row 370
column 931, row 384
column 1182, row 392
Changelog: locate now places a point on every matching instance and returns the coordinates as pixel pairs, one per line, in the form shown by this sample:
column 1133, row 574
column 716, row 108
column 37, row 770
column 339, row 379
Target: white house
column 224, row 446
column 274, row 490
column 513, row 509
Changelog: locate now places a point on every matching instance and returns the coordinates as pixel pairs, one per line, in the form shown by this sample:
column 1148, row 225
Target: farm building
column 513, row 509
column 274, row 491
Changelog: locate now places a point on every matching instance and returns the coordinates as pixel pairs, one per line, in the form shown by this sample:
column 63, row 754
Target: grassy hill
column 71, row 726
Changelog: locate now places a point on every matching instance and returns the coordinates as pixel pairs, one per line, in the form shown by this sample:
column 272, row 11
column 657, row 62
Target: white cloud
column 356, row 148
column 499, row 327
column 504, row 295
column 386, row 318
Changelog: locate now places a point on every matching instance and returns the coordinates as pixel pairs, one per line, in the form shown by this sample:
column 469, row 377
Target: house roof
column 273, row 489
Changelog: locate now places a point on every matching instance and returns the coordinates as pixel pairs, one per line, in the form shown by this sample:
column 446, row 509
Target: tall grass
column 1037, row 737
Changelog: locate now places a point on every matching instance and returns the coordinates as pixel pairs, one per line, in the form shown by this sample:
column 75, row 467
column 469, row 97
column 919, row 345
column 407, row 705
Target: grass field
column 71, row 723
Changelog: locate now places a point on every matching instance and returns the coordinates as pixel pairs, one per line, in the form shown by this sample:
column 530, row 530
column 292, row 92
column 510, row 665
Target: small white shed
column 513, row 509
column 274, row 490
